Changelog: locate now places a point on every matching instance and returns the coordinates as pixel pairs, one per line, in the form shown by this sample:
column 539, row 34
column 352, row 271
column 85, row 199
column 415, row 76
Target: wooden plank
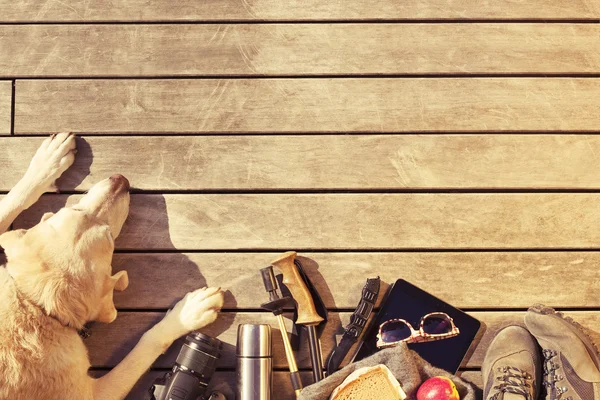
column 110, row 343
column 339, row 277
column 485, row 161
column 5, row 107
column 222, row 381
column 300, row 10
column 297, row 49
column 357, row 221
column 308, row 105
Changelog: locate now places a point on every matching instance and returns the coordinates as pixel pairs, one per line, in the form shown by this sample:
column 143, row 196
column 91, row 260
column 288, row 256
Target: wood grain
column 339, row 277
column 302, row 10
column 5, row 107
column 310, row 49
column 485, row 161
column 275, row 80
column 308, row 105
column 110, row 343
column 357, row 221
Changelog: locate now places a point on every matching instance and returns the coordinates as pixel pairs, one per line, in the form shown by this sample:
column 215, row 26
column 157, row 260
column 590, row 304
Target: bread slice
column 369, row 383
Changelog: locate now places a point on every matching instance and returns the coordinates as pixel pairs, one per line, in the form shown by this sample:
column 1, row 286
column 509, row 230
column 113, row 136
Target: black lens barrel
column 200, row 354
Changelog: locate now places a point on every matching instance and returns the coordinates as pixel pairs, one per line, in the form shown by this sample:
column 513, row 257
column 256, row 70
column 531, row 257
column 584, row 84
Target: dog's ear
column 108, row 312
column 9, row 241
column 120, row 281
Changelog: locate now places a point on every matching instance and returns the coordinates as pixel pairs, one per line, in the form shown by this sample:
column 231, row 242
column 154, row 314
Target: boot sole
column 575, row 327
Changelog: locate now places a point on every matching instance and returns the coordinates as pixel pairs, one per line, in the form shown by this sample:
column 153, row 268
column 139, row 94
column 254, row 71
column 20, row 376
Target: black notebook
column 410, row 303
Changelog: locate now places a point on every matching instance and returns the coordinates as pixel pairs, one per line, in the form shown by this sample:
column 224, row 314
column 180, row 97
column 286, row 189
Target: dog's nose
column 120, row 181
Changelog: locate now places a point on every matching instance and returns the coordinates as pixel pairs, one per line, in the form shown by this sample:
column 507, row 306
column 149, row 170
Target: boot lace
column 552, row 378
column 513, row 380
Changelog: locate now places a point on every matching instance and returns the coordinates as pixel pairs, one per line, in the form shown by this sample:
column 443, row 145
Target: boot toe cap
column 513, row 347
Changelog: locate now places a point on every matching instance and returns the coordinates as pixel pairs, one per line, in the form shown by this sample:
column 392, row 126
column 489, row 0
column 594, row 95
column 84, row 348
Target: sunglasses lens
column 436, row 325
column 394, row 332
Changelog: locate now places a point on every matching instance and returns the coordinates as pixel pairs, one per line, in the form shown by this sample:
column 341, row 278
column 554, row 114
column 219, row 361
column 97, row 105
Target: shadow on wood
column 74, row 176
column 188, row 277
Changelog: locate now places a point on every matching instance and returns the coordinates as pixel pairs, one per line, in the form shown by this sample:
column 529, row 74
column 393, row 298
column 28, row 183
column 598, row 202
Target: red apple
column 438, row 388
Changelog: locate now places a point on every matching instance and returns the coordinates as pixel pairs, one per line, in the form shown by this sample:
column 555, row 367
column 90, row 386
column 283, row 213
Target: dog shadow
column 158, row 279
column 76, row 174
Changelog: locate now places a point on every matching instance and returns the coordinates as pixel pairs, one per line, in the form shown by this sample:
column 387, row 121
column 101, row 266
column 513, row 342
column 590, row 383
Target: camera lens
column 199, row 355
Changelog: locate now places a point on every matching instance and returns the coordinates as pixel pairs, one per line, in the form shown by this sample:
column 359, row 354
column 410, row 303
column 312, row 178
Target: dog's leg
column 195, row 311
column 54, row 156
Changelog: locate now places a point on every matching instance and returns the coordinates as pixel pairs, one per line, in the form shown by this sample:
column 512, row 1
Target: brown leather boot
column 571, row 361
column 512, row 366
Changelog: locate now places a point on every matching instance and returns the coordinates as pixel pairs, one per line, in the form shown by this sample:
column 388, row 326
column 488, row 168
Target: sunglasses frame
column 418, row 336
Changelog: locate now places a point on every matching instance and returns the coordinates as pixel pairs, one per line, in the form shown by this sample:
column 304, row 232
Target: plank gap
column 318, row 21
column 362, row 250
column 121, row 134
column 341, row 191
column 12, row 107
column 259, row 310
column 303, row 76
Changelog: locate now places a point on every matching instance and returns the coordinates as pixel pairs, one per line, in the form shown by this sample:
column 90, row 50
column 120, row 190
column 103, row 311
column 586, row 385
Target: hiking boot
column 512, row 366
column 571, row 360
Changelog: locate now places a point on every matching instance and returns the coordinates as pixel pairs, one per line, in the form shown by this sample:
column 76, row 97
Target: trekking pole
column 307, row 313
column 276, row 305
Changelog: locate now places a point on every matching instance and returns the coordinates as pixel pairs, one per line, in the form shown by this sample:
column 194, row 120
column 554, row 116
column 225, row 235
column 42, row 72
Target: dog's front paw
column 55, row 156
column 195, row 311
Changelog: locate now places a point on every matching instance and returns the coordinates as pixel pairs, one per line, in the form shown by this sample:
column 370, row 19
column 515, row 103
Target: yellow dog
column 58, row 276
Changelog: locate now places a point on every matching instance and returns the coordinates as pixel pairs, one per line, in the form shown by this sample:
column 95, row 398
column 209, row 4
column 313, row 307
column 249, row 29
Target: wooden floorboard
column 308, row 105
column 356, row 221
column 268, row 10
column 327, row 162
column 252, row 127
column 5, row 107
column 110, row 343
column 339, row 277
column 298, row 49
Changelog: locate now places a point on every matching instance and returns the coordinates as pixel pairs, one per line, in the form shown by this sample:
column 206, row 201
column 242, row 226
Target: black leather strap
column 358, row 321
column 363, row 310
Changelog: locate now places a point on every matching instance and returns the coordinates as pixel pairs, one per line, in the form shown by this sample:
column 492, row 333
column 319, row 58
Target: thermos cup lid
column 254, row 340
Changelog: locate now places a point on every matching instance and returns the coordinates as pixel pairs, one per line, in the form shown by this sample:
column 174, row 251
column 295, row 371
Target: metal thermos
column 254, row 370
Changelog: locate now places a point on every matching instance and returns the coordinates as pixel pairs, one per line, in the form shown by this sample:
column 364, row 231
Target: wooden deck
column 451, row 143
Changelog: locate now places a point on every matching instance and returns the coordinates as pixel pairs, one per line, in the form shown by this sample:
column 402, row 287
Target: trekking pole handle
column 307, row 314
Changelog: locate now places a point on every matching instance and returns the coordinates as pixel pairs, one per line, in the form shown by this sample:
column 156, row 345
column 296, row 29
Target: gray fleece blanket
column 406, row 365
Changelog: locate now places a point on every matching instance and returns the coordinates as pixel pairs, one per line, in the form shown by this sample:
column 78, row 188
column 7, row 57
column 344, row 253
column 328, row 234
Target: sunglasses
column 433, row 326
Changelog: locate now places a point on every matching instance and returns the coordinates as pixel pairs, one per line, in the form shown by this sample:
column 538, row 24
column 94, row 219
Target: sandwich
column 368, row 383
